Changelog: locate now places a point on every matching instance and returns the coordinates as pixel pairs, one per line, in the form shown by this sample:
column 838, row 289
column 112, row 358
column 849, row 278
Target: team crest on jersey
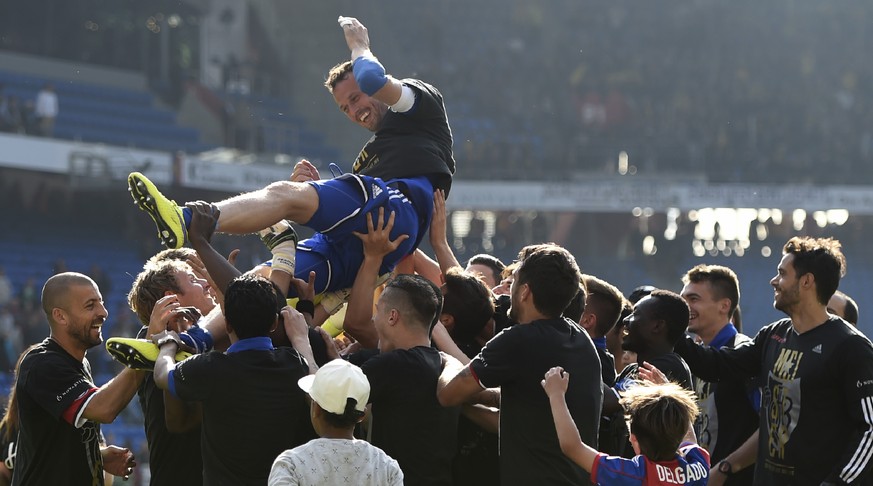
column 364, row 161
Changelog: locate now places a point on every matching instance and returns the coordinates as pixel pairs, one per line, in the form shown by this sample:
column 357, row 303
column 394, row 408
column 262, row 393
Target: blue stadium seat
column 103, row 114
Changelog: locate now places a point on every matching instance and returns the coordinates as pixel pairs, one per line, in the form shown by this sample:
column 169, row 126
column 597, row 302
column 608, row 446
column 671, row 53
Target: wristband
column 305, row 306
column 369, row 74
column 165, row 337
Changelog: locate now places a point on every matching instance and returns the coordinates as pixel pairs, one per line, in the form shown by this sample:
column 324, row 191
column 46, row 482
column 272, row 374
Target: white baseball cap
column 334, row 383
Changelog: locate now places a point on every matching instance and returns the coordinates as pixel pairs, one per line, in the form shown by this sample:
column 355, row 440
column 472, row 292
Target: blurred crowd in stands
column 742, row 92
column 745, row 93
column 32, row 117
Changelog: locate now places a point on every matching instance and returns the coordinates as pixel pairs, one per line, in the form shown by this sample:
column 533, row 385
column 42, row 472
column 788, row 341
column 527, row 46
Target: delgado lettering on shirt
column 681, row 475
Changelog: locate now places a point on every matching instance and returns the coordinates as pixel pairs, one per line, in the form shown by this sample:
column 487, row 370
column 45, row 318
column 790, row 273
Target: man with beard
column 60, row 408
column 515, row 360
column 816, row 420
column 657, row 321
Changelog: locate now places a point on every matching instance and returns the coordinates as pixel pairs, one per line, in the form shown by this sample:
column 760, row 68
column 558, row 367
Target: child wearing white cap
column 339, row 392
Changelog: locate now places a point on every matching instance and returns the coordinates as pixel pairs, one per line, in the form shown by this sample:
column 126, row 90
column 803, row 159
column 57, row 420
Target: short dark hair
column 673, row 309
column 489, row 261
column 336, row 74
column 468, row 300
column 638, row 293
column 823, row 258
column 659, row 417
column 552, row 275
column 416, row 297
column 627, row 308
column 251, row 306
column 722, row 280
column 604, row 301
column 576, row 306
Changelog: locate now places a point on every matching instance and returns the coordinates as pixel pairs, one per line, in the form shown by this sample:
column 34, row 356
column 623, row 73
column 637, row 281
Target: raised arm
column 555, row 384
column 438, row 239
column 297, row 330
column 427, row 267
column 369, row 72
column 743, row 361
column 377, row 244
column 444, row 342
column 168, row 344
column 203, row 219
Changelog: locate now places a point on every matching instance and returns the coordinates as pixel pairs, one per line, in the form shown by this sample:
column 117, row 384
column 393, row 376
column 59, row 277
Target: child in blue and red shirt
column 661, row 433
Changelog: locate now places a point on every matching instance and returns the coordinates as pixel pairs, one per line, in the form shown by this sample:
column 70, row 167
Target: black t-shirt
column 516, row 360
column 501, row 313
column 411, row 144
column 252, row 410
column 671, row 364
column 50, row 449
column 173, row 458
column 607, row 366
column 817, row 395
column 7, row 447
column 477, row 458
column 409, row 424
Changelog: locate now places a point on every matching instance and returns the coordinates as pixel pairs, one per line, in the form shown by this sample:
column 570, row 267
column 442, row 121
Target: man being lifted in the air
column 399, row 168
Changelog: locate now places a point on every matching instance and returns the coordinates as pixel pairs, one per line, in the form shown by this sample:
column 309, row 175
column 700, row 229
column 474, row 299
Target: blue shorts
column 334, row 252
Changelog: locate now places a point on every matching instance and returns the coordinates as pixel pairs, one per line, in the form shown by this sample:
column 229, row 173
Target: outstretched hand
column 377, row 241
column 295, row 325
column 649, row 372
column 161, row 313
column 204, row 218
column 193, row 260
column 439, row 219
column 556, row 382
column 330, row 347
column 345, row 344
column 357, row 37
column 305, row 289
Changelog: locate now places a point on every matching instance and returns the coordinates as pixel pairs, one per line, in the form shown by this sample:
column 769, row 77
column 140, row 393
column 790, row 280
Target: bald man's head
column 55, row 292
column 844, row 306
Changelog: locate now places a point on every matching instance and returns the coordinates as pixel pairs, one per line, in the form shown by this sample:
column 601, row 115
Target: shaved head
column 55, row 293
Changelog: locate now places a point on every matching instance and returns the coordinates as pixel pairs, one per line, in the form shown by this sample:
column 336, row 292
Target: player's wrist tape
column 284, row 263
column 162, row 338
column 305, row 306
column 369, row 74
